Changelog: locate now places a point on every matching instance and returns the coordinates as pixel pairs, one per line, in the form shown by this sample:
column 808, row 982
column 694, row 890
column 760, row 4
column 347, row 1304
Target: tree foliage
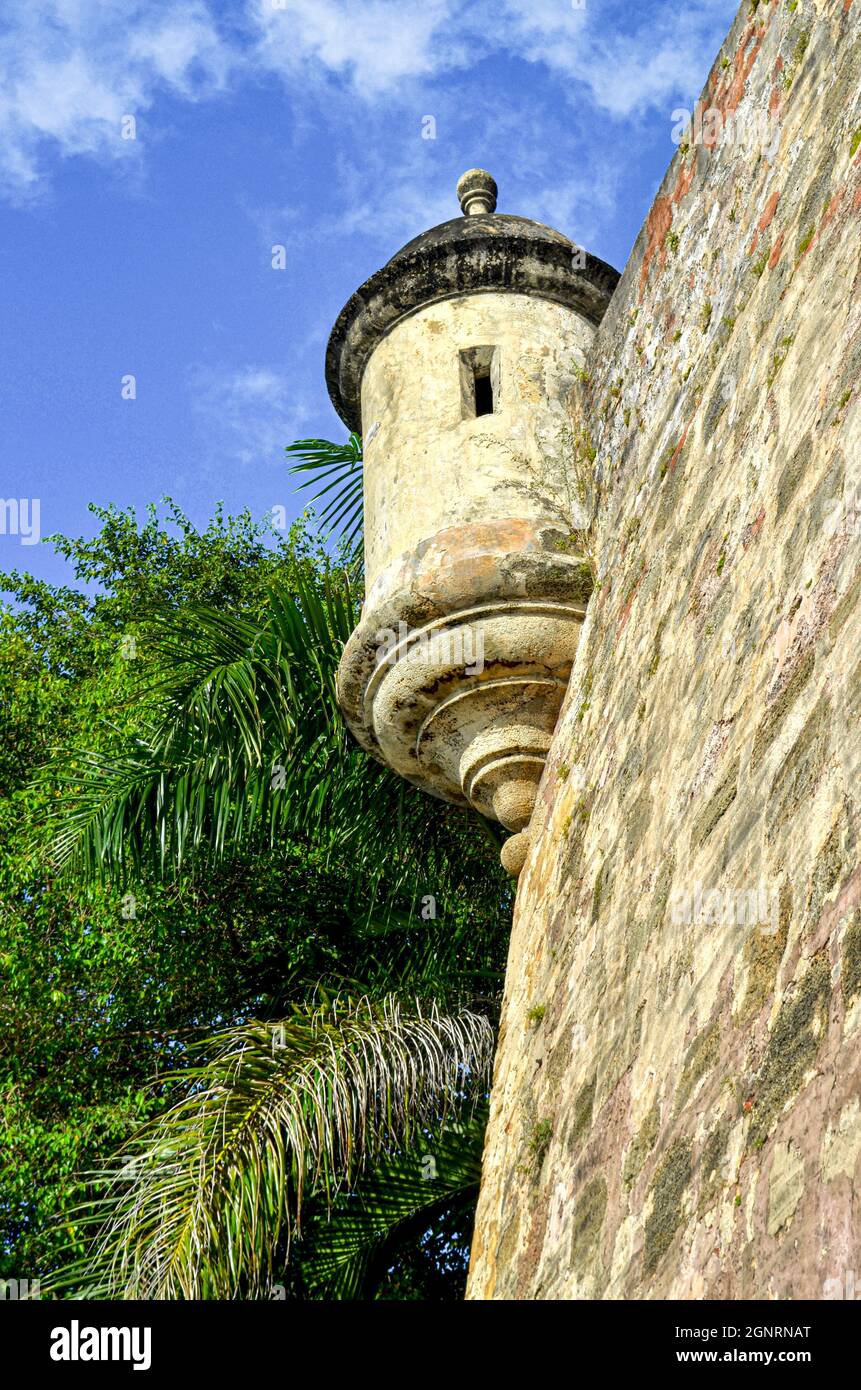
column 128, row 938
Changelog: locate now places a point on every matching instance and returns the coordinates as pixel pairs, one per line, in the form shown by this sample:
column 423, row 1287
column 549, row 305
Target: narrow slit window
column 479, row 382
column 483, row 394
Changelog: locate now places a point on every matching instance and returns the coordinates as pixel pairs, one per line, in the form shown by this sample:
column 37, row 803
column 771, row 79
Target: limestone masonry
column 645, row 496
column 676, row 1109
column 460, row 357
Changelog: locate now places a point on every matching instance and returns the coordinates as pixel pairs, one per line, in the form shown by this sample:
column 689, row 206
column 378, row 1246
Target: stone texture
column 694, row 1084
column 427, row 468
column 476, row 581
column 469, row 255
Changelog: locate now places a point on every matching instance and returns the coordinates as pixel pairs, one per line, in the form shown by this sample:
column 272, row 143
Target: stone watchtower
column 456, row 361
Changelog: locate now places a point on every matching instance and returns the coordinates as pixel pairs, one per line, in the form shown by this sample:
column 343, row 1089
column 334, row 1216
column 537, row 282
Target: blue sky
column 294, row 123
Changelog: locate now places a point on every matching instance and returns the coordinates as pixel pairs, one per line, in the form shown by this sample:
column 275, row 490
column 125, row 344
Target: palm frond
column 243, row 744
column 244, row 726
column 339, row 467
column 208, row 1193
column 400, row 1191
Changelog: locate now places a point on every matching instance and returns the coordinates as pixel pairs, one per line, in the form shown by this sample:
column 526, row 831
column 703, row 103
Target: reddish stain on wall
column 752, row 531
column 775, row 251
column 745, row 57
column 765, row 220
column 678, row 449
column 660, row 220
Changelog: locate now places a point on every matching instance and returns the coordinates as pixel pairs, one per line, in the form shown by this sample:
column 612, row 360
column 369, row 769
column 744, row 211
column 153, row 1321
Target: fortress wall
column 676, row 1110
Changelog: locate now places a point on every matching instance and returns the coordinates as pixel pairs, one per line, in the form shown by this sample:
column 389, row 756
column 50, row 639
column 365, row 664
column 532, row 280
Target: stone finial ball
column 476, row 191
column 513, row 853
column 513, row 803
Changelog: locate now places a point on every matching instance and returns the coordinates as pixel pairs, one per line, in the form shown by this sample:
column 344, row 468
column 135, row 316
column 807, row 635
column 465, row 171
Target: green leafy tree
column 235, row 855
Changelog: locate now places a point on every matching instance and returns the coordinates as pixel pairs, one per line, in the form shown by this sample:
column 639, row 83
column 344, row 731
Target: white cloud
column 248, row 415
column 70, row 70
column 624, row 73
column 622, row 59
column 375, row 44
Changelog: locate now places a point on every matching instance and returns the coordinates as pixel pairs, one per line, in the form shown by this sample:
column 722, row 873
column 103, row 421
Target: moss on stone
column 799, row 773
column 828, row 869
column 797, row 59
column 641, row 1145
column 667, row 1190
column 573, row 831
column 778, row 710
column 851, row 971
column 657, row 641
column 846, row 606
column 792, row 1048
column 601, row 880
column 763, row 952
column 701, row 1057
column 805, row 241
column 554, row 1069
column 508, row 1243
column 632, row 766
column 585, row 694
column 792, row 474
column 672, row 472
column 539, row 1141
column 588, row 1219
column 716, row 807
column 710, row 1163
column 582, row 581
column 779, row 357
column 581, row 1119
column 638, row 821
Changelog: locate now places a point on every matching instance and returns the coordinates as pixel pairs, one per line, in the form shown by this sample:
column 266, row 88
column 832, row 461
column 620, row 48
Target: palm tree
column 340, row 467
column 330, row 1110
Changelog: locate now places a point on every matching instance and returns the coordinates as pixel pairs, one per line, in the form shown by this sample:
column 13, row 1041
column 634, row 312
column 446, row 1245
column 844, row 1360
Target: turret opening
column 483, row 394
column 479, row 382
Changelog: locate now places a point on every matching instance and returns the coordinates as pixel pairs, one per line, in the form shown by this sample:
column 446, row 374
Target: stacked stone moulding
column 457, row 362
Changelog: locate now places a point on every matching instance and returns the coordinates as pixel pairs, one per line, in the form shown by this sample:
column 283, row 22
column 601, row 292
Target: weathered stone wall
column 677, row 1103
column 427, row 467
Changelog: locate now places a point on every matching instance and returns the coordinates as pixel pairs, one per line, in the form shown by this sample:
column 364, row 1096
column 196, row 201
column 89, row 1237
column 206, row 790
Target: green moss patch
column 701, row 1057
column 792, row 1048
column 589, row 1211
column 846, row 607
column 792, row 474
column 710, row 1165
column 539, row 1141
column 780, row 707
column 581, row 1122
column 668, row 1189
column 797, row 777
column 763, row 953
column 716, row 807
column 641, row 1145
column 851, row 973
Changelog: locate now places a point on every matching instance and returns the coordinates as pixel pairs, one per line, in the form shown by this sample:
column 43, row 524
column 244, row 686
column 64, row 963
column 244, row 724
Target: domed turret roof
column 482, row 250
